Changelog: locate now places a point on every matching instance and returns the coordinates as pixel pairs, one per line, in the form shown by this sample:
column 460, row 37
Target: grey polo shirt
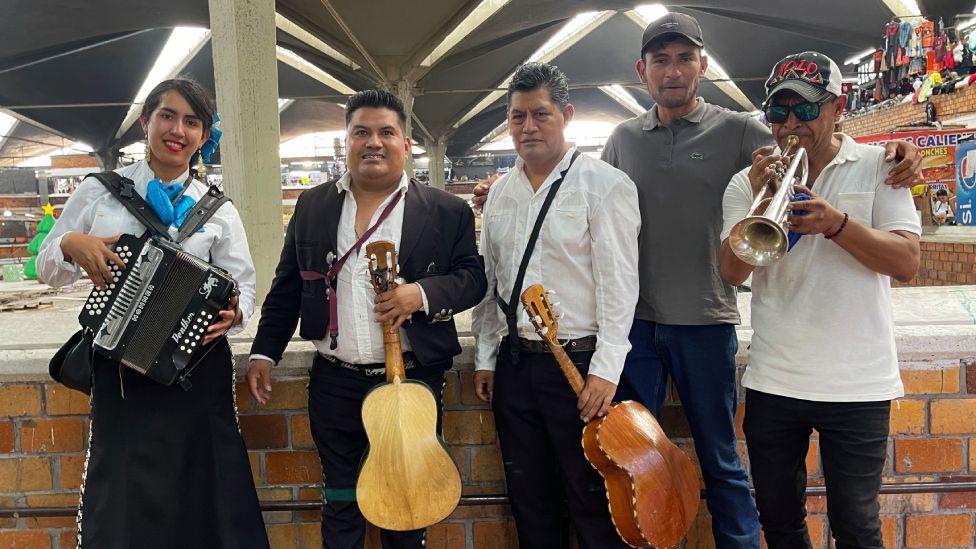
column 681, row 171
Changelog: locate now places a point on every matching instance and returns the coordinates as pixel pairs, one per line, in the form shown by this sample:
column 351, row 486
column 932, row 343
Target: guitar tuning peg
column 537, row 319
column 556, row 304
column 545, row 330
column 560, row 316
column 551, row 292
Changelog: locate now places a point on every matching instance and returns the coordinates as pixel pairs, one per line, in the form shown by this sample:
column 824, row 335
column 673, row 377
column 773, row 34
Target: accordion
column 154, row 314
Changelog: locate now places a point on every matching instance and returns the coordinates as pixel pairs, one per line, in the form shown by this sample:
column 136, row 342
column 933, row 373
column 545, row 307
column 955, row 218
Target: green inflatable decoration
column 34, row 247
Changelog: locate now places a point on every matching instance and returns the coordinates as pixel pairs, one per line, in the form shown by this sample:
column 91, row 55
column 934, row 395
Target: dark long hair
column 199, row 99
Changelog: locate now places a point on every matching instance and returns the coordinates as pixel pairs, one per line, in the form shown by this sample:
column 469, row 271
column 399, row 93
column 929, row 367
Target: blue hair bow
column 210, row 145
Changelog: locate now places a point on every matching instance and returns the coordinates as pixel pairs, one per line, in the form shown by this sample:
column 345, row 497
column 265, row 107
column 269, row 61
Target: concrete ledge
column 931, row 323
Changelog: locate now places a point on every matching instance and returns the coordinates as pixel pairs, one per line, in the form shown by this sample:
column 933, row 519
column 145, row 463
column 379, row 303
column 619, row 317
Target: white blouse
column 93, row 210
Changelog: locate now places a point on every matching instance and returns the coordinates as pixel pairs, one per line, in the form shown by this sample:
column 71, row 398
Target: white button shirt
column 360, row 338
column 586, row 252
column 93, row 210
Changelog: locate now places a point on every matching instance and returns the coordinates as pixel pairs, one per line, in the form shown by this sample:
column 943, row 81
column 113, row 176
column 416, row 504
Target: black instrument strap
column 123, row 189
column 511, row 308
column 202, row 211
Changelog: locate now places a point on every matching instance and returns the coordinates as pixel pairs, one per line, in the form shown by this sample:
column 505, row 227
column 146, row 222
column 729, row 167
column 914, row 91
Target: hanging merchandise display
column 913, row 49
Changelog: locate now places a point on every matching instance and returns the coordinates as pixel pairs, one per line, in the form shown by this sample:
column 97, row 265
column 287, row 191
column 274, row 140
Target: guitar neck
column 568, row 368
column 393, row 351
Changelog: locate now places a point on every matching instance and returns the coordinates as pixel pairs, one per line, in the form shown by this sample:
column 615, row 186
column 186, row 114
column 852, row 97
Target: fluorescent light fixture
column 6, row 123
column 650, row 12
column 902, row 8
column 183, row 44
column 569, row 34
column 966, row 25
column 622, row 96
column 298, row 32
column 857, row 57
column 573, row 26
column 311, row 70
column 475, row 19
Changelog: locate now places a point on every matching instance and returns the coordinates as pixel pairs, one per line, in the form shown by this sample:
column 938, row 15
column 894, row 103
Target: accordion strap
column 202, row 211
column 123, row 189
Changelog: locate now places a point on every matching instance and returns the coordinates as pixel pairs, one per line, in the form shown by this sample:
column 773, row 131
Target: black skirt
column 167, row 468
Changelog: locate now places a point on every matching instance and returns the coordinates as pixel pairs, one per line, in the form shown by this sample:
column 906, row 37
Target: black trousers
column 335, row 397
column 853, row 442
column 540, row 433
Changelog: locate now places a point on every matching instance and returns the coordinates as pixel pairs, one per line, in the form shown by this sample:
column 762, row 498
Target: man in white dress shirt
column 587, row 252
column 433, row 232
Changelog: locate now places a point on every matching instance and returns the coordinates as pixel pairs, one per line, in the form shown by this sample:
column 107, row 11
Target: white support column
column 246, row 75
column 435, row 152
column 404, row 90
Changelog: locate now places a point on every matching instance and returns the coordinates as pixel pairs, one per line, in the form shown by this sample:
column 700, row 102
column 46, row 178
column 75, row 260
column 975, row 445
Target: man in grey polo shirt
column 681, row 154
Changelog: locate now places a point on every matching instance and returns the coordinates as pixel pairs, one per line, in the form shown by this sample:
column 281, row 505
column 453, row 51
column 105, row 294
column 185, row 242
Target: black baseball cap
column 811, row 74
column 672, row 23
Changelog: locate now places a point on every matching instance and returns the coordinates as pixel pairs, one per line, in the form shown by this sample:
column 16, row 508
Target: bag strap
column 202, row 211
column 511, row 307
column 123, row 189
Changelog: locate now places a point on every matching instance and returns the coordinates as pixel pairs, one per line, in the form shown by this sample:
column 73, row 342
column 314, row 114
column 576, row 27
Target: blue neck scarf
column 168, row 202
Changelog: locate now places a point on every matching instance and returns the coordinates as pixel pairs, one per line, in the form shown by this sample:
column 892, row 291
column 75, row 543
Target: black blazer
column 437, row 250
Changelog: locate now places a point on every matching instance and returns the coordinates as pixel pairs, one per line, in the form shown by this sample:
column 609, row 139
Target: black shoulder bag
column 72, row 365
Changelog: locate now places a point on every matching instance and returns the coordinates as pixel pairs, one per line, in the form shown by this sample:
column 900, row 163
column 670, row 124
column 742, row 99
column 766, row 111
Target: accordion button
column 91, row 313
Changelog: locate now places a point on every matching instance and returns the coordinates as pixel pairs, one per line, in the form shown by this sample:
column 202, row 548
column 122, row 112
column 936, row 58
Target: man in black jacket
column 322, row 279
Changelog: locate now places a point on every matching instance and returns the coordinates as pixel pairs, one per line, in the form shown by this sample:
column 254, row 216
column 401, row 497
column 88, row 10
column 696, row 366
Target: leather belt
column 582, row 344
column 375, row 369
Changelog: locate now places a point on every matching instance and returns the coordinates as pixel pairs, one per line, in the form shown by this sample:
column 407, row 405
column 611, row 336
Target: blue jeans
column 701, row 361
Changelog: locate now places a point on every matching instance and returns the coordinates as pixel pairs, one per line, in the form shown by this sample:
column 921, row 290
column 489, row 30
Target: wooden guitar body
column 407, row 480
column 652, row 486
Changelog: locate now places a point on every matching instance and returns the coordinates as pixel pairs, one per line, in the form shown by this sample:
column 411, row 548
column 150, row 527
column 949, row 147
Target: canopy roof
column 72, row 69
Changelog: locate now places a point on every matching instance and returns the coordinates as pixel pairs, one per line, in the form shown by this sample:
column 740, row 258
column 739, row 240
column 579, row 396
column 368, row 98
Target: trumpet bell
column 758, row 241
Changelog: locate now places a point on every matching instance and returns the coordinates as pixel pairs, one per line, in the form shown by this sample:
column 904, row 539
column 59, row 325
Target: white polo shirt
column 822, row 321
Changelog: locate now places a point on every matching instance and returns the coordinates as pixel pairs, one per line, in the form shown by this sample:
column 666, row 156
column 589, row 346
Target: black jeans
column 540, row 433
column 335, row 399
column 853, row 442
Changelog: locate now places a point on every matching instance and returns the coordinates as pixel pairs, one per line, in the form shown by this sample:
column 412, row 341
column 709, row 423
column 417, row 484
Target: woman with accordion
column 166, row 464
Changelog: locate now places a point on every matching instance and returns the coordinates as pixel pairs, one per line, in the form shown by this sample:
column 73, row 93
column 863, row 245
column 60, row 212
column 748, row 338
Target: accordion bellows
column 155, row 312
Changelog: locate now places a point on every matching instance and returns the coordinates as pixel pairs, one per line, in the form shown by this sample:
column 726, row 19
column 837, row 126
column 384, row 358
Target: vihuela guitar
column 652, row 486
column 407, row 480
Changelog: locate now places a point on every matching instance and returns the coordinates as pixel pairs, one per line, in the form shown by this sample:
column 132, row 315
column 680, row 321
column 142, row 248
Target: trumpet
column 761, row 238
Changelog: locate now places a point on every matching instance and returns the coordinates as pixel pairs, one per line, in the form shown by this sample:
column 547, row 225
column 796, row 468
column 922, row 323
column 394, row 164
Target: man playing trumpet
column 823, row 351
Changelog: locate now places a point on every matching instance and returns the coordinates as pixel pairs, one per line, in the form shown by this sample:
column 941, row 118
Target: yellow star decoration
column 48, row 209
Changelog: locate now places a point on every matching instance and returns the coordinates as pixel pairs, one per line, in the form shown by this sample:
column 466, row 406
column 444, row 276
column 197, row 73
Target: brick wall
column 944, row 264
column 74, row 161
column 886, row 120
column 43, row 429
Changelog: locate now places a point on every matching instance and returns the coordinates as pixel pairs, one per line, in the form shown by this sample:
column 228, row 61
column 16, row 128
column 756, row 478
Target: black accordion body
column 155, row 313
